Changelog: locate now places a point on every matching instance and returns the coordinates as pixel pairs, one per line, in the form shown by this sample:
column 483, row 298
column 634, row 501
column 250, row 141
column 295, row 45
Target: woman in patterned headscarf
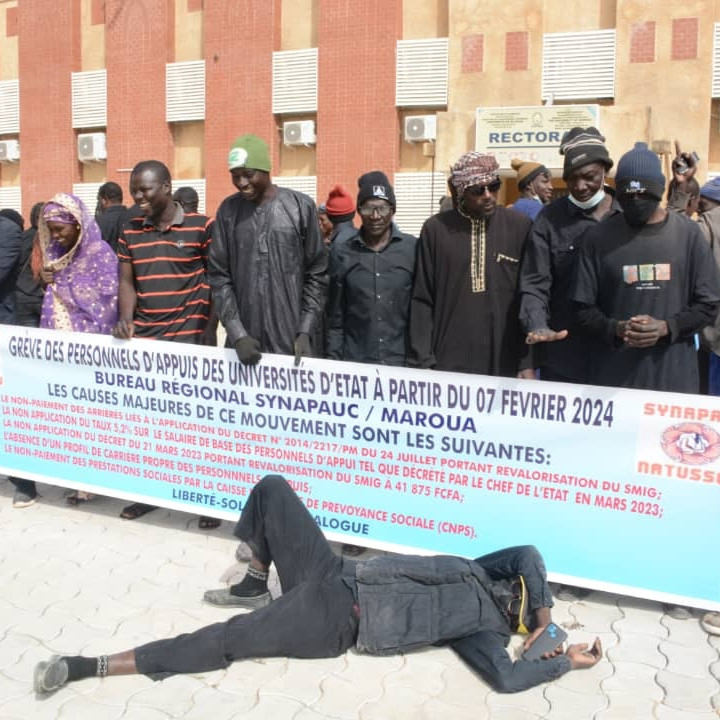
column 81, row 273
column 79, row 267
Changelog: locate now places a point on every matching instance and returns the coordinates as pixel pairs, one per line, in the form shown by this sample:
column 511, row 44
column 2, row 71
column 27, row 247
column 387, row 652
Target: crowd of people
column 602, row 285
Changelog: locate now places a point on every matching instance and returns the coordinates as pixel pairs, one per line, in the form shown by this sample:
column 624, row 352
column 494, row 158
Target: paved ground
column 81, row 580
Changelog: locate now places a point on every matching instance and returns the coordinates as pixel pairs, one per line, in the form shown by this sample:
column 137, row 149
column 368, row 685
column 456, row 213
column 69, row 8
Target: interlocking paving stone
column 532, row 701
column 637, row 648
column 635, row 678
column 663, row 712
column 627, row 706
column 692, row 661
column 270, row 707
column 174, row 695
column 397, row 702
column 83, row 707
column 568, row 704
column 302, row 680
column 687, row 693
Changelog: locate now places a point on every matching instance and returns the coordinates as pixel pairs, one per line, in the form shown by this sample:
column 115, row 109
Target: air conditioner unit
column 420, row 128
column 9, row 151
column 92, row 147
column 299, row 132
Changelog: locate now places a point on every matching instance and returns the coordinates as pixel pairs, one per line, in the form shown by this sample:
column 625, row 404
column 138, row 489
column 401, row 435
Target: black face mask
column 638, row 208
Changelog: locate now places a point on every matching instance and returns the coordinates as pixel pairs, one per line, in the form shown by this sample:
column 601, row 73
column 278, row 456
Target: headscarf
column 473, row 168
column 84, row 293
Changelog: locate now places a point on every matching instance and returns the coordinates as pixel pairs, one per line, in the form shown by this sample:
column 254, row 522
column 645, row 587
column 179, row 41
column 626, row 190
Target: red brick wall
column 516, row 51
column 357, row 121
column 46, row 59
column 240, row 37
column 97, row 12
column 642, row 42
column 139, row 41
column 472, row 53
column 685, row 38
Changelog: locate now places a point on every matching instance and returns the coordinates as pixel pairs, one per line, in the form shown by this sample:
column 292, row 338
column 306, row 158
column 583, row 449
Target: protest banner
column 617, row 488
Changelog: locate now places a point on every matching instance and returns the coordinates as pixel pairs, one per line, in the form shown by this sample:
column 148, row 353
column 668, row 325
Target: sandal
column 136, row 510
column 78, row 497
column 208, row 523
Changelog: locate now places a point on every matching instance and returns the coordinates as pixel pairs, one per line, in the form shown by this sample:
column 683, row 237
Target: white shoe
column 711, row 623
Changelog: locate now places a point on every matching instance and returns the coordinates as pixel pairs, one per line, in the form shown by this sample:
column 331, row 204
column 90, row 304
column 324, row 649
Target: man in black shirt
column 644, row 283
column 546, row 270
column 371, row 274
column 111, row 213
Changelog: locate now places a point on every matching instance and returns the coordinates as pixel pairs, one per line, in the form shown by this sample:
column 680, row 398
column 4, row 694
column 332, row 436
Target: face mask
column 591, row 203
column 638, row 208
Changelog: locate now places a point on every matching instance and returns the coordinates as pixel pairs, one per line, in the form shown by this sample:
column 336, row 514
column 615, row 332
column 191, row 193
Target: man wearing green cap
column 268, row 263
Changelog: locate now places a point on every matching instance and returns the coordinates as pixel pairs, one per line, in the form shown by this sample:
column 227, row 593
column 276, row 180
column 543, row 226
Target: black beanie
column 639, row 172
column 582, row 146
column 375, row 185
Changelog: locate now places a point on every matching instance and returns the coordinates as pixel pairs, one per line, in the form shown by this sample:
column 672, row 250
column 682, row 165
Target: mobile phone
column 546, row 642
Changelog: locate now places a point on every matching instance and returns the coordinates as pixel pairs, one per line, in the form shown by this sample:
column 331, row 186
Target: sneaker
column 678, row 612
column 224, row 598
column 50, row 676
column 22, row 500
column 711, row 623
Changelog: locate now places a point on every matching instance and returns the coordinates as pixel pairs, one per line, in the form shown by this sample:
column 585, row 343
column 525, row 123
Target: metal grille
column 9, row 106
column 421, row 73
column 198, row 184
column 11, row 197
column 418, row 197
column 716, row 61
column 89, row 99
column 185, row 91
column 578, row 65
column 87, row 192
column 302, row 183
column 295, row 81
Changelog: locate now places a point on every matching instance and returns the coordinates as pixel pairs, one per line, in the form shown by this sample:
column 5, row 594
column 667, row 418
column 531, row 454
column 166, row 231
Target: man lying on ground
column 329, row 604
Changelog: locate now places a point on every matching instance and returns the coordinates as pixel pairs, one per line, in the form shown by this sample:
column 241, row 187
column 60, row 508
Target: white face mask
column 592, row 202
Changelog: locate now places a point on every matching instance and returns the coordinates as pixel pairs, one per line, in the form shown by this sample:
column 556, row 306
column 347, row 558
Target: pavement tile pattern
column 81, row 580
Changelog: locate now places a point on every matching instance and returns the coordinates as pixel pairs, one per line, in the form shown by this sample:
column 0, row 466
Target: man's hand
column 582, row 657
column 248, row 350
column 642, row 331
column 526, row 374
column 545, row 335
column 684, row 167
column 302, row 347
column 124, row 329
column 47, row 276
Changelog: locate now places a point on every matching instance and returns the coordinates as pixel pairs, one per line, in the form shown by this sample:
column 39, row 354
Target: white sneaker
column 711, row 623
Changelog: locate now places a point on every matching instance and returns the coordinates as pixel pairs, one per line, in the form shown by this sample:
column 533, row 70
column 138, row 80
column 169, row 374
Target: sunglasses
column 479, row 190
column 368, row 210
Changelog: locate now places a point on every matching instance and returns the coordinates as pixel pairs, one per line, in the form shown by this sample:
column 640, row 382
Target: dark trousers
column 313, row 618
column 26, row 487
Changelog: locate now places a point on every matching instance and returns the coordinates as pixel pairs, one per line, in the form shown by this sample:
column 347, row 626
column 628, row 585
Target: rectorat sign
column 530, row 133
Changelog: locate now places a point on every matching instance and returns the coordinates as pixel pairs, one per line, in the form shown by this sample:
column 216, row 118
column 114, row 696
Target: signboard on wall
column 530, row 132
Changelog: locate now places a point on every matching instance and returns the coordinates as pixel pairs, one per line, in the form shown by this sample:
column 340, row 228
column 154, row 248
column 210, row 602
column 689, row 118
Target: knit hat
column 582, row 146
column 339, row 202
column 711, row 189
column 527, row 171
column 473, row 168
column 249, row 151
column 639, row 172
column 375, row 184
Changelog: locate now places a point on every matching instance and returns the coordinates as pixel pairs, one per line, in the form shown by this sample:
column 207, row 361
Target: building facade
column 90, row 87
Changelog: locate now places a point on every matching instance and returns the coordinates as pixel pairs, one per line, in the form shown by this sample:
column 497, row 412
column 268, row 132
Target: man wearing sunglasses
column 464, row 309
column 371, row 276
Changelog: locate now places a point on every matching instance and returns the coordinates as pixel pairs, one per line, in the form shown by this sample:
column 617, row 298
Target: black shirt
column 545, row 279
column 370, row 299
column 111, row 222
